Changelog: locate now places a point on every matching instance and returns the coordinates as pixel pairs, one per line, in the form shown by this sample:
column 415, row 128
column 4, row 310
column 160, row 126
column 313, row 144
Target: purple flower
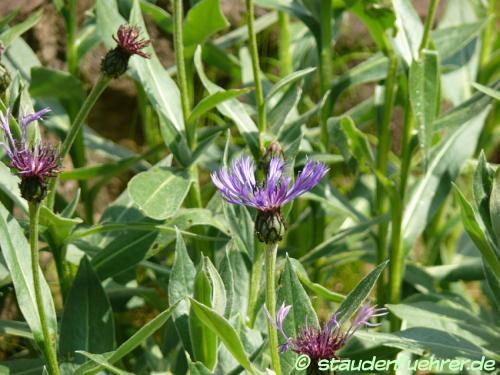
column 128, row 41
column 34, row 164
column 324, row 342
column 238, row 185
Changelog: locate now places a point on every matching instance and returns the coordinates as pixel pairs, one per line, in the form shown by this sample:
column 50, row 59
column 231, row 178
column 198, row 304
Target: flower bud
column 128, row 43
column 32, row 189
column 273, row 150
column 270, row 226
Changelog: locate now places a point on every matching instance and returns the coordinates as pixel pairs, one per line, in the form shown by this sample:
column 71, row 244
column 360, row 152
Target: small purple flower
column 34, row 164
column 324, row 342
column 238, row 185
column 128, row 43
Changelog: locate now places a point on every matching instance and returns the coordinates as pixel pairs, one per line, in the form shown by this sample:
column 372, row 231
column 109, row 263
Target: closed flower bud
column 128, row 43
column 269, row 226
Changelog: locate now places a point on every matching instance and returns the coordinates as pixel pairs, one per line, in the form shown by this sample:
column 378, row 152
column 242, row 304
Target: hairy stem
column 271, row 251
column 75, row 127
column 49, row 342
column 429, row 20
column 383, row 149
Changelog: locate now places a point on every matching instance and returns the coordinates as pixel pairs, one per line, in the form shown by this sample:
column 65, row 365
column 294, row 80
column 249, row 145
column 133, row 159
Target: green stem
column 429, row 20
column 271, row 251
column 487, row 39
column 48, row 341
column 325, row 63
column 178, row 14
column 255, row 287
column 254, row 54
column 96, row 92
column 383, row 149
column 285, row 57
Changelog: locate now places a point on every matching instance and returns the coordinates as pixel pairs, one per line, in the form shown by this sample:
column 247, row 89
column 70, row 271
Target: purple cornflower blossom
column 34, row 164
column 238, row 185
column 128, row 43
column 324, row 342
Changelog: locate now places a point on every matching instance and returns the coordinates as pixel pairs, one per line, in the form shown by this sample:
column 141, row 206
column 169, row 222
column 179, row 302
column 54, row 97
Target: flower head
column 324, row 342
column 128, row 43
column 34, row 164
column 238, row 185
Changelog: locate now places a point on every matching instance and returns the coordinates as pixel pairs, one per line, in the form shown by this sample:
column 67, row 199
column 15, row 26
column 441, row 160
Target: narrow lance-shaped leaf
column 17, row 256
column 87, row 321
column 424, row 97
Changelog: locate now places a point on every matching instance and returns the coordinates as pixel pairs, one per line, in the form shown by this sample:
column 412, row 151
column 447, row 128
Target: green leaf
column 291, row 292
column 289, row 79
column 223, row 329
column 242, row 228
column 101, row 360
column 482, row 187
column 213, row 100
column 159, row 192
column 231, row 108
column 477, row 233
column 433, row 188
column 410, row 30
column 87, row 321
column 203, row 339
column 424, row 90
column 162, row 92
column 15, row 328
column 12, row 33
column 9, row 184
column 59, row 227
column 50, row 83
column 357, row 141
column 119, row 250
column 133, row 342
column 359, row 294
column 17, row 256
column 180, row 286
column 203, row 20
column 495, row 207
column 495, row 94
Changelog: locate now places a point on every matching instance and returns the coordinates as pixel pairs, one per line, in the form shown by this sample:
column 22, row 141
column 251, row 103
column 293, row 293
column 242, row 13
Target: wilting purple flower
column 128, row 43
column 324, row 342
column 34, row 164
column 238, row 185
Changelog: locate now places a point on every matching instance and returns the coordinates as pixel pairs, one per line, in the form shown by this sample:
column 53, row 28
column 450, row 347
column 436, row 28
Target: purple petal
column 308, row 178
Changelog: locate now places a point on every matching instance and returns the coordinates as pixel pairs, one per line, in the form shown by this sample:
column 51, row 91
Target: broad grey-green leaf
column 495, row 207
column 223, row 329
column 131, row 343
column 434, row 186
column 410, row 30
column 87, row 321
column 181, row 286
column 231, row 108
column 359, row 294
column 291, row 292
column 203, row 20
column 9, row 184
column 159, row 192
column 477, row 232
column 17, row 255
column 424, row 90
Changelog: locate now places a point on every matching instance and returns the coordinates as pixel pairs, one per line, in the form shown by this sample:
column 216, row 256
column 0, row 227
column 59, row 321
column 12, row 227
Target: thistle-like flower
column 34, row 164
column 238, row 186
column 324, row 342
column 128, row 43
